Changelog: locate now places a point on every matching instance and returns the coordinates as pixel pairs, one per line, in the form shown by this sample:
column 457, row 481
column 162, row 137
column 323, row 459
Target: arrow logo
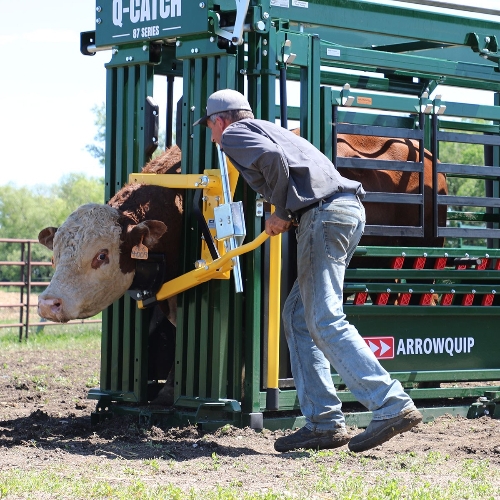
column 382, row 347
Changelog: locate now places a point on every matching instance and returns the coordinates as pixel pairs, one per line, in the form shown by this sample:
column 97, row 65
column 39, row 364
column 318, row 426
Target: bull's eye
column 100, row 259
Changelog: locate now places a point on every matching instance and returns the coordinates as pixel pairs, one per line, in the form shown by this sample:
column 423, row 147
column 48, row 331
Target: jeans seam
column 300, row 369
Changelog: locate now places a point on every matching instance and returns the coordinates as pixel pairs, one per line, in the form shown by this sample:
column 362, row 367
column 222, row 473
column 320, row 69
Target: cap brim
column 201, row 121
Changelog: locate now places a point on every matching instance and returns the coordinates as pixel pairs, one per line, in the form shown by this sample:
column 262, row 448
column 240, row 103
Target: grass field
column 39, row 335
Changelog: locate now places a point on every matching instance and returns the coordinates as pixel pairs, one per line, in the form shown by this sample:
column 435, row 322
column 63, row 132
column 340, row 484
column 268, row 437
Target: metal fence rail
column 25, row 285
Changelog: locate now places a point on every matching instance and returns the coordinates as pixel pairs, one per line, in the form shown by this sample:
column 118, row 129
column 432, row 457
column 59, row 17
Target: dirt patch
column 45, row 422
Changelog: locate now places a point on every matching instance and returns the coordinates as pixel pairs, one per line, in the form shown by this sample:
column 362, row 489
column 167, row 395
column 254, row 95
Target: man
column 304, row 186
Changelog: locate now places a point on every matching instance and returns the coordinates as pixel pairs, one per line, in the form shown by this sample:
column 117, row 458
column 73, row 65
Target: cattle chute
column 380, row 80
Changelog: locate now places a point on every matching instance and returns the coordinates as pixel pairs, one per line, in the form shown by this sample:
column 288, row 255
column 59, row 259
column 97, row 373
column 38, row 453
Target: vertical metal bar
column 105, row 375
column 421, row 175
column 116, row 347
column 120, row 137
column 435, row 152
column 204, row 365
column 253, row 314
column 141, row 326
column 274, row 321
column 130, row 126
column 127, row 345
column 232, row 244
column 314, row 105
column 335, row 114
column 28, row 291
column 21, row 294
column 310, row 80
column 283, row 98
column 111, row 150
column 170, row 111
column 326, row 142
column 220, row 334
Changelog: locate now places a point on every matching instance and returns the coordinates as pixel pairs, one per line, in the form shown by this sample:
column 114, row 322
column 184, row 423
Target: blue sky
column 47, row 89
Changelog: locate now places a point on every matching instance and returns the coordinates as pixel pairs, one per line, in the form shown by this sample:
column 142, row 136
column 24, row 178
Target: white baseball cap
column 224, row 100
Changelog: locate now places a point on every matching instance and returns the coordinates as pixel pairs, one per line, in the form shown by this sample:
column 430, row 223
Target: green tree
column 97, row 150
column 25, row 212
column 464, row 154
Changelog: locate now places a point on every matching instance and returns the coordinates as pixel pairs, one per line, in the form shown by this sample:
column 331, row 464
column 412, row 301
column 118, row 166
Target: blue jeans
column 316, row 328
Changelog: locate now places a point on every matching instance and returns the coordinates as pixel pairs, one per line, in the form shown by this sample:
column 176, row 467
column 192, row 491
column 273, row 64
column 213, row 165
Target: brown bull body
column 394, row 181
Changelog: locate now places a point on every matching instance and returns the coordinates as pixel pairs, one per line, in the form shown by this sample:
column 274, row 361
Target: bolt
column 178, row 43
column 202, row 5
column 243, row 71
column 264, row 53
column 196, row 50
column 403, row 254
column 114, row 51
column 192, row 51
column 154, row 112
column 264, row 41
column 192, row 108
column 265, row 15
column 452, row 290
column 98, row 20
column 473, row 291
column 145, row 48
column 487, row 256
column 410, row 290
column 192, row 136
column 98, row 8
column 431, row 290
column 154, row 139
column 388, row 290
column 466, row 254
column 212, row 39
column 487, row 39
column 493, row 292
column 446, row 254
column 260, row 25
column 425, row 254
column 138, row 295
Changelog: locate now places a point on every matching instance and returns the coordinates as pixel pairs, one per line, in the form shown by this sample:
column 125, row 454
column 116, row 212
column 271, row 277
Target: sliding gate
column 428, row 311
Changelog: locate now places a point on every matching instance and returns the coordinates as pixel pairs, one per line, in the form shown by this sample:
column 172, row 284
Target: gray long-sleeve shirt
column 284, row 168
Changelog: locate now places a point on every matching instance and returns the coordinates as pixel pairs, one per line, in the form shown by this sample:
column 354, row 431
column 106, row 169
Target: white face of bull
column 87, row 249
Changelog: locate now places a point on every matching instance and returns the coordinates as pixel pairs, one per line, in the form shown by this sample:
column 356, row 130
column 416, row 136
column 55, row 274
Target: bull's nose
column 50, row 308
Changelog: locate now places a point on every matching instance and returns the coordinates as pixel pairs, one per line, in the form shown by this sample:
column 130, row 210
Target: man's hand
column 275, row 225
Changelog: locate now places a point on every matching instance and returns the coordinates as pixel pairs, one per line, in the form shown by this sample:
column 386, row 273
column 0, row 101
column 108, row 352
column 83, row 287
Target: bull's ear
column 46, row 237
column 150, row 231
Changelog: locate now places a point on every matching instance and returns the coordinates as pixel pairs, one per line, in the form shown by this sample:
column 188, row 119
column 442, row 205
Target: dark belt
column 327, row 199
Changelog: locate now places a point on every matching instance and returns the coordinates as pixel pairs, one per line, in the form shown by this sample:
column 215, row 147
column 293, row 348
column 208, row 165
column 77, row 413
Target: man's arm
column 261, row 163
